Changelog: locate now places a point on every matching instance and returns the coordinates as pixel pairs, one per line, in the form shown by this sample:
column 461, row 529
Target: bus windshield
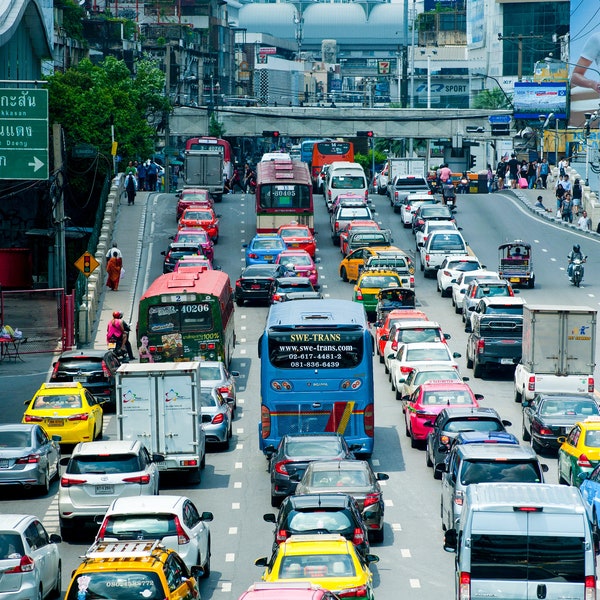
column 167, row 318
column 285, row 196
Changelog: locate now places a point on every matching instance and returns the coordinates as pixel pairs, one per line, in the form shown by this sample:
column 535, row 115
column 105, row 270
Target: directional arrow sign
column 23, row 134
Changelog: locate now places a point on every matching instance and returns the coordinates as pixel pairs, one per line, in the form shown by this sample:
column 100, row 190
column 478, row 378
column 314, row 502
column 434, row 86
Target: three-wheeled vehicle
column 448, row 194
column 392, row 298
column 515, row 263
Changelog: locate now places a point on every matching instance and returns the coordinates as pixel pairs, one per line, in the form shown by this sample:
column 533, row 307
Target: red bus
column 187, row 316
column 283, row 194
column 327, row 151
column 216, row 145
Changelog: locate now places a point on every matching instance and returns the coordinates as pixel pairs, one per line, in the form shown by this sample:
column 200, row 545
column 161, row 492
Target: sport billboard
column 533, row 99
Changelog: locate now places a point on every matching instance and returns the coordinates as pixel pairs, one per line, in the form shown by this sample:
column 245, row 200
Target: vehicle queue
column 317, row 574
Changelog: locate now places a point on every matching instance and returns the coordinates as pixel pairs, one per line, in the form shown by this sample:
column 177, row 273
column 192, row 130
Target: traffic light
column 472, row 161
column 87, row 263
column 273, row 134
column 368, row 134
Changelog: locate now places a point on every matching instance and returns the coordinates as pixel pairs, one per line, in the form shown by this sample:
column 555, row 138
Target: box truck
column 204, row 169
column 159, row 405
column 397, row 167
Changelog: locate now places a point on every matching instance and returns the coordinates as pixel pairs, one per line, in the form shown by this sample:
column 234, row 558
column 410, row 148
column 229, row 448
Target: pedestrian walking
column 501, row 169
column 130, row 168
column 141, row 175
column 513, row 171
column 584, row 222
column 151, row 175
column 567, row 207
column 490, row 179
column 577, row 192
column 131, row 188
column 532, row 174
column 113, row 269
column 543, row 171
column 114, row 248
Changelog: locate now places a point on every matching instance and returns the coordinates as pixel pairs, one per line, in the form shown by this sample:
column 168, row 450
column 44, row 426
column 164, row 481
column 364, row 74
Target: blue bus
column 316, row 372
column 306, row 150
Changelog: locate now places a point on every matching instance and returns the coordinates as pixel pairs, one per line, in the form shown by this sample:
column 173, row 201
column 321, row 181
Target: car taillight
column 464, row 586
column 225, row 389
column 238, row 283
column 542, row 430
column 360, row 591
column 411, row 279
column 276, row 298
column 26, row 565
column 140, row 479
column 182, row 537
column 265, row 422
column 405, row 369
column 480, row 346
column 584, row 461
column 33, row 419
column 358, row 537
column 458, row 498
column 427, row 257
column 590, row 385
column 590, row 587
column 371, row 499
column 510, row 292
column 281, row 536
column 252, row 255
column 407, row 207
column 67, row 481
column 369, row 420
column 79, row 417
column 281, row 468
column 329, row 194
column 359, row 295
column 29, row 459
column 218, row 418
column 105, row 370
column 54, row 370
column 531, row 383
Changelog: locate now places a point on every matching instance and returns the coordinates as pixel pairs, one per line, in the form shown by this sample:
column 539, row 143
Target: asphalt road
column 235, row 483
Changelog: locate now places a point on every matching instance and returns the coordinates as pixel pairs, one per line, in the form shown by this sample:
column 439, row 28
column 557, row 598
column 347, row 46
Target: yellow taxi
column 370, row 283
column 132, row 569
column 328, row 560
column 579, row 451
column 68, row 410
column 352, row 265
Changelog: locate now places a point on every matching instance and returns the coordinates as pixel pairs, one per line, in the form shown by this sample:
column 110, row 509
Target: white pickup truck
column 559, row 345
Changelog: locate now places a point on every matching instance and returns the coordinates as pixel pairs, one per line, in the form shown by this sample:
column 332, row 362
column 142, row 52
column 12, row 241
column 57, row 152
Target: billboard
column 532, row 99
column 584, row 51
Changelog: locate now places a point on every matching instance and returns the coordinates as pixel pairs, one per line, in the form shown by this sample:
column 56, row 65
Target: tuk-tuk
column 393, row 298
column 515, row 263
column 448, row 194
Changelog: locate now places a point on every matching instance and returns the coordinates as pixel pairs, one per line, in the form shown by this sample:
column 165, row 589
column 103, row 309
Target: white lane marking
column 235, row 506
column 242, row 351
column 243, row 328
column 242, row 340
column 240, row 401
column 238, row 465
column 237, row 485
column 239, row 446
column 375, row 462
column 243, row 317
column 229, row 557
column 544, row 250
column 233, row 530
column 388, row 503
column 226, row 586
column 396, row 527
column 239, row 430
column 383, row 483
column 405, row 553
column 414, row 583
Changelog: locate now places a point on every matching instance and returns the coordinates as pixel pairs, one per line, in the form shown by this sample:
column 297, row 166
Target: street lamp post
column 589, row 119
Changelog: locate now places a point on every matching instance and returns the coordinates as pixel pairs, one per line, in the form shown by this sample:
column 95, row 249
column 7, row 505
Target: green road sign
column 23, row 134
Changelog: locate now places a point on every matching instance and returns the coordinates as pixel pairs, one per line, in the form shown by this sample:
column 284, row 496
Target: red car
column 201, row 217
column 298, row 237
column 290, row 590
column 357, row 225
column 302, row 264
column 423, row 406
column 193, row 264
column 199, row 236
column 193, row 196
column 382, row 332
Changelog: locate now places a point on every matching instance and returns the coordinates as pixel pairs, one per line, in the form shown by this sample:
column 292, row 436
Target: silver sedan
column 217, row 416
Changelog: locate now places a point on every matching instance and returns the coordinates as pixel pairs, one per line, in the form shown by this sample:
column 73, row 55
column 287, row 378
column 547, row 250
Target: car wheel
column 203, row 461
column 477, row 369
column 518, row 396
column 98, row 434
column 398, row 395
column 39, row 595
column 381, row 359
column 206, row 565
column 421, row 266
column 276, row 501
column 225, row 443
column 376, row 536
column 344, row 274
column 56, row 590
column 428, row 460
column 414, row 443
column 469, row 362
column 393, row 383
column 66, row 532
column 44, row 487
column 437, row 472
column 525, row 434
column 572, row 481
column 406, row 429
column 216, row 240
column 536, row 446
column 239, row 302
column 457, row 308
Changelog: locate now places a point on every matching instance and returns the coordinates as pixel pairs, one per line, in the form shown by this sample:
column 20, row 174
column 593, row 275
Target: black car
column 549, row 416
column 178, row 250
column 94, row 369
column 256, row 283
column 294, row 288
column 435, row 212
column 288, row 462
column 452, row 421
column 318, row 514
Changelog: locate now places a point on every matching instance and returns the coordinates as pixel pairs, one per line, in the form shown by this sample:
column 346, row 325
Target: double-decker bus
column 215, row 145
column 283, row 194
column 327, row 151
column 188, row 316
column 316, row 372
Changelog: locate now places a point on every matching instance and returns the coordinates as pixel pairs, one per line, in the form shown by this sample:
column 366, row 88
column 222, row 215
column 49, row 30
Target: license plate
column 294, row 245
column 55, row 422
column 4, row 463
column 79, row 379
column 515, row 279
column 161, row 465
column 105, row 489
column 506, row 361
column 268, row 257
column 255, row 286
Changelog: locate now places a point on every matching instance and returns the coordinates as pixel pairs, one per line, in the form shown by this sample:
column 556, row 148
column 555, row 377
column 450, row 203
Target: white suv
column 439, row 246
column 174, row 520
column 99, row 472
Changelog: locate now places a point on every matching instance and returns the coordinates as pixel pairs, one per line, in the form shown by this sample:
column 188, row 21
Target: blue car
column 264, row 249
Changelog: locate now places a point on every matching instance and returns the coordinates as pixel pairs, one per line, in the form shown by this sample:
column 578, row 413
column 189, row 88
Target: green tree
column 87, row 99
column 494, row 99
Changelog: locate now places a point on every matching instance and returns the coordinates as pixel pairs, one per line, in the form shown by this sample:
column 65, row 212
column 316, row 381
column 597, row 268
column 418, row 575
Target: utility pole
column 60, row 254
column 519, row 40
column 167, row 116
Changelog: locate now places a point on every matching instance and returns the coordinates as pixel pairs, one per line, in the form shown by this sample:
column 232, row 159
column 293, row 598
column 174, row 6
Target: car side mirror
column 270, row 518
column 428, row 423
column 479, row 397
column 55, row 538
column 371, row 558
column 263, row 561
column 583, row 476
column 506, row 423
column 207, row 516
column 382, row 476
column 544, row 467
column 385, row 337
column 561, row 439
column 450, row 540
column 158, row 457
column 447, row 336
column 421, row 245
column 164, row 253
column 525, row 403
column 295, row 478
column 456, row 355
column 234, row 373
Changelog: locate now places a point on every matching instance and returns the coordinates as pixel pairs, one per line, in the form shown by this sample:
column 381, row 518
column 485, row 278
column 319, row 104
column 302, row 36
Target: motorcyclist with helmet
column 117, row 331
column 575, row 254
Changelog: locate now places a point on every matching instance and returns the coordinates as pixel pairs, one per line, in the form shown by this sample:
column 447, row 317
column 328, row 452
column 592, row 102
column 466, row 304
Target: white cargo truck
column 204, row 169
column 559, row 345
column 159, row 405
column 402, row 167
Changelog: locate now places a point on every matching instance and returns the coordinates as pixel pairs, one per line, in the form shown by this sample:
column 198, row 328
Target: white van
column 525, row 541
column 344, row 177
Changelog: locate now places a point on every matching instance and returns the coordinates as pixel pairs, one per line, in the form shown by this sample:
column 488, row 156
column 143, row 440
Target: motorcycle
column 118, row 348
column 577, row 272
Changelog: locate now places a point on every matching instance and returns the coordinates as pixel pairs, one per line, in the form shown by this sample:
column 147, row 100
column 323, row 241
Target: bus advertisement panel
column 328, row 151
column 215, row 145
column 283, row 194
column 317, row 372
column 187, row 316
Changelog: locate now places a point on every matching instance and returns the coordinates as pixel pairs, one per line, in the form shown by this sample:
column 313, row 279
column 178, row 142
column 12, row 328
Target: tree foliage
column 88, row 98
column 494, row 99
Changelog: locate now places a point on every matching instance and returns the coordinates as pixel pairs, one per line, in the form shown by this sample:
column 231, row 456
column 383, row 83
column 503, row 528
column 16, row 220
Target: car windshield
column 193, row 238
column 339, row 478
column 312, row 566
column 268, row 245
column 210, row 373
column 191, row 196
column 294, row 232
column 446, row 397
column 492, row 290
column 110, row 463
column 83, row 363
column 407, row 336
column 58, row 402
column 564, row 408
column 472, row 424
column 504, row 310
column 427, row 354
column 499, row 471
column 353, row 213
column 318, row 520
column 207, row 399
column 198, row 215
column 15, row 439
column 295, row 259
column 424, row 376
column 347, row 182
column 129, row 584
column 411, row 182
column 316, row 448
column 129, row 527
column 259, row 271
column 592, row 438
column 379, row 281
column 447, row 241
column 463, row 265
